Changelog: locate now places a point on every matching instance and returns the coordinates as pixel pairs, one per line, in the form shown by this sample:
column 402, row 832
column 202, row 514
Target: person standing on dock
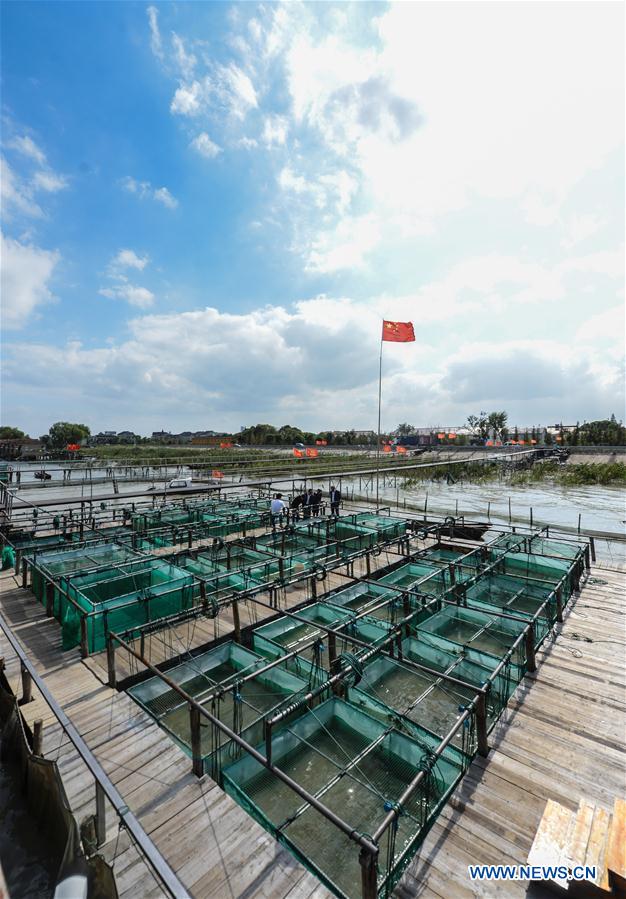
column 296, row 502
column 335, row 499
column 316, row 503
column 277, row 510
column 308, row 503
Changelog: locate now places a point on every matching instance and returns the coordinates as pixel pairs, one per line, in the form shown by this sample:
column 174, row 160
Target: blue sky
column 208, row 207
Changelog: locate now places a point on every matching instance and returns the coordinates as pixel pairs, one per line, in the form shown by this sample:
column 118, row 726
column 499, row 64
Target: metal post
column 369, row 886
column 24, row 573
column 236, row 622
column 481, row 724
column 101, row 823
column 592, row 544
column 559, row 605
column 406, row 611
column 530, row 648
column 84, row 642
column 27, row 686
column 49, row 599
column 111, row 662
column 587, row 558
column 38, row 737
column 196, row 741
column 332, row 653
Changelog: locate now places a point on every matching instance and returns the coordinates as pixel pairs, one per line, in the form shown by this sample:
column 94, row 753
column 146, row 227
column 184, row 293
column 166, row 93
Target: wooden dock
column 561, row 738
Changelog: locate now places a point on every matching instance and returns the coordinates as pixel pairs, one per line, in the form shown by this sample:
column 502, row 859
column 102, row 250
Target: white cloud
column 156, row 43
column 187, row 99
column 16, row 194
column 316, row 364
column 136, row 296
column 186, row 61
column 162, row 195
column 48, row 181
column 26, row 271
column 125, row 259
column 121, row 288
column 579, row 228
column 145, row 189
column 605, row 326
column 247, row 143
column 275, row 130
column 205, row 146
column 27, row 147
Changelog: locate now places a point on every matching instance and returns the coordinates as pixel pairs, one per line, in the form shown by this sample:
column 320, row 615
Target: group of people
column 308, row 503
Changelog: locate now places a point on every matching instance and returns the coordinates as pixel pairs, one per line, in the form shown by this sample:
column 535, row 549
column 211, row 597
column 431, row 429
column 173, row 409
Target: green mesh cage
column 240, row 705
column 359, row 769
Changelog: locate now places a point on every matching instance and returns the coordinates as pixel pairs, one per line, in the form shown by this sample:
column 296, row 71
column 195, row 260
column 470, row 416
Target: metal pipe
column 351, row 832
column 406, row 795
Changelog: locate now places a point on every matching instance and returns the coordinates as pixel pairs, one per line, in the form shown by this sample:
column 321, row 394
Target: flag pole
column 380, row 383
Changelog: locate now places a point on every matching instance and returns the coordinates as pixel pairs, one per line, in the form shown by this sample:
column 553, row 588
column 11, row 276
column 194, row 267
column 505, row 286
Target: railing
column 103, row 785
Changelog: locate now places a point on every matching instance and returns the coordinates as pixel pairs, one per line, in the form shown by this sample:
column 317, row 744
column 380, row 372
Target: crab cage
column 231, row 682
column 120, row 598
column 359, row 768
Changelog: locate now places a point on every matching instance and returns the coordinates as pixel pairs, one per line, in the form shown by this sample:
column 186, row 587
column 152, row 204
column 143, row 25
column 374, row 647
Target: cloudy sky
column 208, row 208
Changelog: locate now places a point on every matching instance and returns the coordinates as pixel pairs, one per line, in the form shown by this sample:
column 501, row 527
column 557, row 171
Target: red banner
column 386, row 449
column 217, row 474
column 321, row 443
column 225, row 445
column 451, row 436
column 441, row 436
column 72, row 447
column 401, row 449
column 311, row 452
column 298, row 453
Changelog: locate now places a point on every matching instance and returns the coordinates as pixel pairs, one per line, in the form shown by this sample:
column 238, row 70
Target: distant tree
column 8, row 433
column 497, row 423
column 63, row 432
column 404, row 429
column 483, row 425
column 604, row 432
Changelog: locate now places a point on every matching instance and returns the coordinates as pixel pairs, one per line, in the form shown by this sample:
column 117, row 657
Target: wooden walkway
column 214, row 847
column 561, row 738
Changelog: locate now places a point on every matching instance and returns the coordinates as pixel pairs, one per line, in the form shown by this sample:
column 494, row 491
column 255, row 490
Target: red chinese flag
column 398, row 332
column 386, row 449
column 451, row 436
column 217, row 474
column 298, row 453
column 441, row 436
column 311, row 452
column 225, row 445
column 401, row 449
column 73, row 447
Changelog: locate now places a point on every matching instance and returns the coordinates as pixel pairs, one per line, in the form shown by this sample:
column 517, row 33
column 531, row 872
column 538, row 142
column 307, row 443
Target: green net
column 359, row 769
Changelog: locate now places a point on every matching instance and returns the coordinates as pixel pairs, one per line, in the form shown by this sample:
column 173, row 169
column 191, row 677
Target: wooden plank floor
column 562, row 737
column 187, row 819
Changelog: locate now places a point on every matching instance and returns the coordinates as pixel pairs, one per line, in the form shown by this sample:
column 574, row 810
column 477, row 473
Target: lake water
column 600, row 508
